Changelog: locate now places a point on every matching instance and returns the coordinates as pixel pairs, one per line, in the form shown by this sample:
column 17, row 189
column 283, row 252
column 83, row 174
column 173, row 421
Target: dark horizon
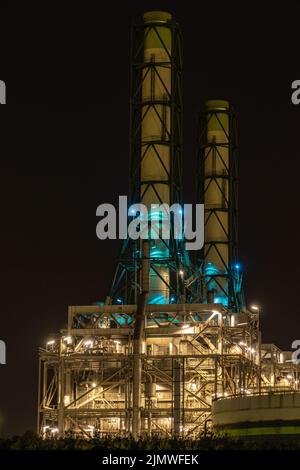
column 64, row 148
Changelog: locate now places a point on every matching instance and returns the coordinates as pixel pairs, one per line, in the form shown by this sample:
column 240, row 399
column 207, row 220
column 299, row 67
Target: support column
column 177, row 386
column 61, row 393
column 138, row 338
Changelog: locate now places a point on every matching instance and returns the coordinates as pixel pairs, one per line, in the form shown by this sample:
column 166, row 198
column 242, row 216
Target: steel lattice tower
column 218, row 191
column 155, row 156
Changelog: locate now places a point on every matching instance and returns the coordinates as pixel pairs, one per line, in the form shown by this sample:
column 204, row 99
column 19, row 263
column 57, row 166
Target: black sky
column 64, row 150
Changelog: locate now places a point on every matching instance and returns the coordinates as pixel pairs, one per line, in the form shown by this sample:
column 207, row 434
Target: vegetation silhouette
column 31, row 441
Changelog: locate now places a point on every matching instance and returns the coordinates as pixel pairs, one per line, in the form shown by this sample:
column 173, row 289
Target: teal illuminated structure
column 217, row 190
column 155, row 157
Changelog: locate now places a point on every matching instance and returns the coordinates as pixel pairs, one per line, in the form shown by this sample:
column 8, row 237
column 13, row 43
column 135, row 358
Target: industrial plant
column 172, row 350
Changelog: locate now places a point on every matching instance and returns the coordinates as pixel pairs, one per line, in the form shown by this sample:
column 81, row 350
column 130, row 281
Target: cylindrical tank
column 257, row 415
column 216, row 199
column 155, row 136
column 150, row 389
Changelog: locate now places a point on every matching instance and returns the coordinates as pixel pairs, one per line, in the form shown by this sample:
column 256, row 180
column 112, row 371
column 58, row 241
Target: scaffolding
column 191, row 354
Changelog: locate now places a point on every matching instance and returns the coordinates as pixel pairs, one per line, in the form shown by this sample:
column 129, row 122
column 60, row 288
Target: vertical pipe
column 68, row 393
column 45, row 380
column 136, row 390
column 259, row 360
column 183, row 396
column 259, row 351
column 39, row 399
column 177, row 396
column 126, row 404
column 61, row 393
column 138, row 338
column 216, row 378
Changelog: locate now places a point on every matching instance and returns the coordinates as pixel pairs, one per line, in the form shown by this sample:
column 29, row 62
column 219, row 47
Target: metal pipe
column 39, row 397
column 61, row 393
column 177, row 396
column 138, row 338
column 93, row 309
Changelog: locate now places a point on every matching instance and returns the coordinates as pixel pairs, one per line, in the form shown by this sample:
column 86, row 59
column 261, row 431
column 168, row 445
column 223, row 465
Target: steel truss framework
column 191, row 354
column 125, row 283
column 206, row 150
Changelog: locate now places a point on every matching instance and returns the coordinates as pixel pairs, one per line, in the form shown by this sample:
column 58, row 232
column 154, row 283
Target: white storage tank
column 273, row 414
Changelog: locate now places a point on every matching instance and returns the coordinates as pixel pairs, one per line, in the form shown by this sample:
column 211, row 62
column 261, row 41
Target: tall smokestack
column 219, row 196
column 155, row 155
column 155, row 136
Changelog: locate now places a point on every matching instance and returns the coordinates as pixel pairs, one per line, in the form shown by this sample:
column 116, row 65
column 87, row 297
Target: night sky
column 64, row 151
